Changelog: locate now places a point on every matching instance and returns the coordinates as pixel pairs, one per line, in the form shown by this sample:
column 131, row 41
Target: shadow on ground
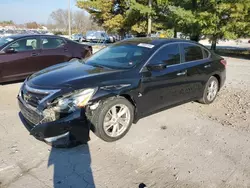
column 72, row 167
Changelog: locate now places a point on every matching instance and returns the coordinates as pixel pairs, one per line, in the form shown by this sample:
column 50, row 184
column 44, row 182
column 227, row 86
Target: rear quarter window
column 52, row 43
column 206, row 53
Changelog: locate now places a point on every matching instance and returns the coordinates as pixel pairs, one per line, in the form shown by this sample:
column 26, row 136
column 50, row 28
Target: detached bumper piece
column 75, row 126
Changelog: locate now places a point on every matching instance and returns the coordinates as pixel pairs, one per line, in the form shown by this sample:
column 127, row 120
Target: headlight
column 75, row 100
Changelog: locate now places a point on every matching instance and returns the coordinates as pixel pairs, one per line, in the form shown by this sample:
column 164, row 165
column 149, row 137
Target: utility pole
column 69, row 18
column 149, row 18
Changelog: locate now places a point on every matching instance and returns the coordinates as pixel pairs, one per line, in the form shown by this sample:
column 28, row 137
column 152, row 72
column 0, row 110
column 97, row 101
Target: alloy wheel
column 212, row 90
column 116, row 120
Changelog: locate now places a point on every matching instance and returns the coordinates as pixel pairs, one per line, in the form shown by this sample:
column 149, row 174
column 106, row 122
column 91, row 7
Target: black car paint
column 149, row 91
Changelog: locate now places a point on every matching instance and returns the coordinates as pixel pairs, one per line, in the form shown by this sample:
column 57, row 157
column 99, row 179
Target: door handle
column 34, row 54
column 207, row 66
column 66, row 49
column 182, row 73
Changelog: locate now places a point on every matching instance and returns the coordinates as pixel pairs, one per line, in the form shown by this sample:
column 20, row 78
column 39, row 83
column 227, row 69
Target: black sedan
column 116, row 87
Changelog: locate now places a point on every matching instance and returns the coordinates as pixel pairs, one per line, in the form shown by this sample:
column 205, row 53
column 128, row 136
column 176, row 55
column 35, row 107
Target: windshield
column 121, row 56
column 5, row 40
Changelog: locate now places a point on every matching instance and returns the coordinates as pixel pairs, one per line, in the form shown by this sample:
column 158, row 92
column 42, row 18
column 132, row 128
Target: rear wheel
column 113, row 119
column 210, row 91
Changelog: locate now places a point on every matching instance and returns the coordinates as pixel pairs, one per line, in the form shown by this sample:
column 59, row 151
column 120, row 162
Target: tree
column 5, row 23
column 80, row 22
column 217, row 19
column 60, row 18
column 225, row 20
column 109, row 14
column 118, row 15
column 32, row 25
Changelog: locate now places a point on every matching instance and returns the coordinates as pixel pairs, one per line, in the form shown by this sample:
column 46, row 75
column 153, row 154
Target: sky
column 23, row 11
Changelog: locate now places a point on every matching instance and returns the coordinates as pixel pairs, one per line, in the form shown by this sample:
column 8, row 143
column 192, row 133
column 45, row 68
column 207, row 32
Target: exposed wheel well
column 218, row 78
column 129, row 98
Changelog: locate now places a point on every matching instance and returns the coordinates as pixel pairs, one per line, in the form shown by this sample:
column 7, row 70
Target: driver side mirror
column 156, row 67
column 10, row 51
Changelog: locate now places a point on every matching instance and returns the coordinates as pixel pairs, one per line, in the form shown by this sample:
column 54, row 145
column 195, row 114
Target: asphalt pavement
column 191, row 145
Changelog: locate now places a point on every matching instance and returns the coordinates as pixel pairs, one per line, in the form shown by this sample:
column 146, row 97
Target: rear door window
column 192, row 52
column 52, row 43
column 169, row 55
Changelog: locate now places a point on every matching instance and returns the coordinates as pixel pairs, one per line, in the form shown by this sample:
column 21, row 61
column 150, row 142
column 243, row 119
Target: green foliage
column 169, row 33
column 109, row 14
column 227, row 20
column 10, row 22
column 60, row 32
column 217, row 19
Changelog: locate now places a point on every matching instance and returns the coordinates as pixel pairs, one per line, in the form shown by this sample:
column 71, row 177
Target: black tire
column 97, row 117
column 205, row 99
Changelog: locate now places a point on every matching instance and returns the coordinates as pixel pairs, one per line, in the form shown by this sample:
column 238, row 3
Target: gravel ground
column 192, row 145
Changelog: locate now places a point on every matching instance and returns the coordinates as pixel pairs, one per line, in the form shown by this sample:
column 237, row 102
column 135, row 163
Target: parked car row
column 95, row 37
column 78, row 37
column 113, row 88
column 9, row 32
column 99, row 36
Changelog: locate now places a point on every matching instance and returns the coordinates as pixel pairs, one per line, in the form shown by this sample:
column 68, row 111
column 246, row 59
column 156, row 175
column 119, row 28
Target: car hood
column 69, row 74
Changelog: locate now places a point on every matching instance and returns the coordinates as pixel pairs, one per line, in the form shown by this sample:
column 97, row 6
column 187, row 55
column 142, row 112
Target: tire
column 73, row 59
column 100, row 115
column 206, row 99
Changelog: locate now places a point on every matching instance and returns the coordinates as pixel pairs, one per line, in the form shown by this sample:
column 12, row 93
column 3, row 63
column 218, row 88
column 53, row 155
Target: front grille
column 31, row 98
column 30, row 115
column 34, row 97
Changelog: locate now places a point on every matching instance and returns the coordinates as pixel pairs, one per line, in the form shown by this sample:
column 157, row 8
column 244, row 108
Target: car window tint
column 169, row 55
column 50, row 43
column 24, row 45
column 192, row 52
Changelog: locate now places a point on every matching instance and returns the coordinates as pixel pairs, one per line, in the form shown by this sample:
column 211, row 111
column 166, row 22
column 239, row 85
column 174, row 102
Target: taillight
column 224, row 62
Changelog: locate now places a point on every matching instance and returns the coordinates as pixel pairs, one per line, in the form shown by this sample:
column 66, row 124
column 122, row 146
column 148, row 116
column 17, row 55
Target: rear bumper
column 76, row 124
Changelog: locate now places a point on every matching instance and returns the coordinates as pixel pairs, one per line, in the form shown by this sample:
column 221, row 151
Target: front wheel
column 210, row 91
column 113, row 119
column 73, row 60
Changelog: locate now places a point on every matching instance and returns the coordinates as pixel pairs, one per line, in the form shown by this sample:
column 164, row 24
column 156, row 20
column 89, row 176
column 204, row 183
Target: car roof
column 154, row 41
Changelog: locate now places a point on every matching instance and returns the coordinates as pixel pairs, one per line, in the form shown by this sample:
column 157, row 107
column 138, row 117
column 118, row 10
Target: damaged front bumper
column 75, row 125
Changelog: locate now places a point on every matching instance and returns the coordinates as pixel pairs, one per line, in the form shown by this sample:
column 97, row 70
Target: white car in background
column 97, row 36
column 1, row 33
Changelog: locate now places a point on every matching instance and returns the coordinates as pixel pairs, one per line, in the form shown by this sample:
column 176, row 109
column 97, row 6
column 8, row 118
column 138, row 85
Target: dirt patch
column 231, row 108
